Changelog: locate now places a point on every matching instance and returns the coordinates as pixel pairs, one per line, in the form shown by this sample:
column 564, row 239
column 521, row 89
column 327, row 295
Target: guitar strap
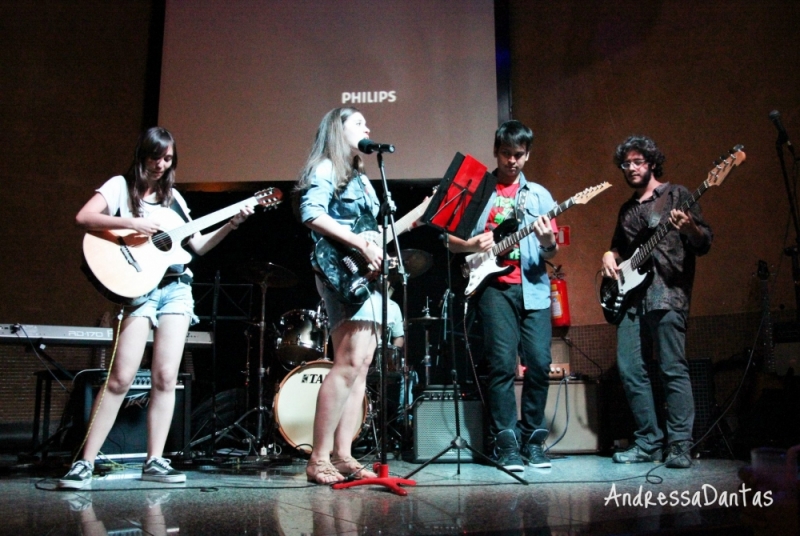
column 519, row 209
column 177, row 270
column 658, row 208
column 176, row 207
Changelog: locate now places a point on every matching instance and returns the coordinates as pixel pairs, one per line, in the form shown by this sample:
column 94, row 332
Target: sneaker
column 159, row 470
column 533, row 450
column 679, row 455
column 506, row 451
column 637, row 454
column 79, row 476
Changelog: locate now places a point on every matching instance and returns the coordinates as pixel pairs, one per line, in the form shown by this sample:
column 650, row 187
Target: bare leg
column 168, row 344
column 342, row 392
column 132, row 340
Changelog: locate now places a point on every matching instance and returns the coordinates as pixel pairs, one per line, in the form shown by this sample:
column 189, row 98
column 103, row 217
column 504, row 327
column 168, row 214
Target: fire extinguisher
column 559, row 300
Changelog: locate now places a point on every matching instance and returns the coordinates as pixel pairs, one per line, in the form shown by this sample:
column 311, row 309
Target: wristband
column 549, row 248
column 233, row 224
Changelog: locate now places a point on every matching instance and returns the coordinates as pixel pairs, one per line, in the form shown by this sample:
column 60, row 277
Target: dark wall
column 72, row 102
column 699, row 77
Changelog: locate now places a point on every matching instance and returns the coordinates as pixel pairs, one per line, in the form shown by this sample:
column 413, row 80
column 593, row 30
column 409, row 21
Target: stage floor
column 249, row 496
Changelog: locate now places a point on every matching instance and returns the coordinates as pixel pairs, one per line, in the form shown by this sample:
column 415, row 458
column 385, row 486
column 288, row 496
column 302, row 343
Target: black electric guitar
column 478, row 268
column 125, row 265
column 345, row 270
column 616, row 294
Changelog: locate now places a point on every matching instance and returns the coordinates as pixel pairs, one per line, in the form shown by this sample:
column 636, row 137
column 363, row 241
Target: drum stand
column 260, row 409
column 214, row 419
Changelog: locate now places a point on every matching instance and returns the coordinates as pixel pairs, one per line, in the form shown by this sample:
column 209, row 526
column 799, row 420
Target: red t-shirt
column 503, row 209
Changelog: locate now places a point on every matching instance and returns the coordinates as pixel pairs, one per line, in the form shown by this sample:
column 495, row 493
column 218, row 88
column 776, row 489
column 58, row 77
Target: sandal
column 322, row 472
column 350, row 468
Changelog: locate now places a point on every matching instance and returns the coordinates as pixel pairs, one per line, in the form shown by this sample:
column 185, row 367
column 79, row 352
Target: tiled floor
column 251, row 497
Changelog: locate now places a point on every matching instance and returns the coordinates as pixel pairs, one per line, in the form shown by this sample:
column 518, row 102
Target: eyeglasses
column 628, row 164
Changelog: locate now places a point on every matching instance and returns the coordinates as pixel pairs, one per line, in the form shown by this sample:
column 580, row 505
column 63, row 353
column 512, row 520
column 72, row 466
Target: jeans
column 510, row 330
column 638, row 335
column 174, row 298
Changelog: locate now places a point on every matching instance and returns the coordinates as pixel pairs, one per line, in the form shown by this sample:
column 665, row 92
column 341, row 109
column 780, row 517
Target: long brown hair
column 330, row 144
column 153, row 143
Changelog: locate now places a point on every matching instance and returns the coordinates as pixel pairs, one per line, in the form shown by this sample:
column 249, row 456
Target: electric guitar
column 124, row 264
column 345, row 270
column 479, row 267
column 616, row 294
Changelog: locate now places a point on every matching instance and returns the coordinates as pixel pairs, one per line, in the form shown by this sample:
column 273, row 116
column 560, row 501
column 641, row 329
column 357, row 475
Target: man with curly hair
column 656, row 320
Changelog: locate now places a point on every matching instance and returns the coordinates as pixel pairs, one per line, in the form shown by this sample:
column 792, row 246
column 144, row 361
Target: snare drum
column 295, row 404
column 302, row 338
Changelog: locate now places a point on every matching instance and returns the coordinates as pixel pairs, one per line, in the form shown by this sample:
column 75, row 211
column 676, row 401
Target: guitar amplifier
column 571, row 410
column 128, row 437
column 435, row 426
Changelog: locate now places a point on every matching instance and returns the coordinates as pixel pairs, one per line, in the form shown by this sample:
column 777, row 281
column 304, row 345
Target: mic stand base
column 383, row 479
column 459, row 443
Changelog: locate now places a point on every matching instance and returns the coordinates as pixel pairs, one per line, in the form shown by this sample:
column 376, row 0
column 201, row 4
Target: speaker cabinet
column 582, row 430
column 128, row 437
column 435, row 426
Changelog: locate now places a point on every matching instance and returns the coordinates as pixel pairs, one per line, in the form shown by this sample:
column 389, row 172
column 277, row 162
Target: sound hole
column 163, row 241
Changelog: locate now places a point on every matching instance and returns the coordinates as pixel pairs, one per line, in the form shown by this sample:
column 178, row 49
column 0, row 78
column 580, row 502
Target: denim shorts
column 171, row 299
column 338, row 312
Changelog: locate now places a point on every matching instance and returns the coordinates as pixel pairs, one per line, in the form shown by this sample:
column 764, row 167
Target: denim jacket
column 535, row 281
column 357, row 198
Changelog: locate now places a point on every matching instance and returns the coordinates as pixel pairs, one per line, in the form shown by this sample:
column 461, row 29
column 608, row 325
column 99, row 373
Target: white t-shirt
column 394, row 317
column 115, row 192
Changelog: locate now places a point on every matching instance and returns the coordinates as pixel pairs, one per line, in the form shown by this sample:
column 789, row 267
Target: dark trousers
column 637, row 336
column 510, row 330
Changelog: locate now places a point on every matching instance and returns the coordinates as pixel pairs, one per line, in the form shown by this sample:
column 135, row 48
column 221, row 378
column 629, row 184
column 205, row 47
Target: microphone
column 783, row 137
column 368, row 146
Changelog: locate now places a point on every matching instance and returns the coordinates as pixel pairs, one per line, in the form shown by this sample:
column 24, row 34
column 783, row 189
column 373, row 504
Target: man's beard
column 646, row 178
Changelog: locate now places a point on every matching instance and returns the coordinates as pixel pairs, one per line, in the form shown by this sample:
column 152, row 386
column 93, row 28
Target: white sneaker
column 79, row 476
column 159, row 470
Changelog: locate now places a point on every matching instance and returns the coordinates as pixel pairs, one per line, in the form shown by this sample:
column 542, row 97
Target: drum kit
column 301, row 348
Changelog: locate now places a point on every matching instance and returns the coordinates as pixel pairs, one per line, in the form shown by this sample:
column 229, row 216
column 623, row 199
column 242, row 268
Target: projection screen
column 244, row 83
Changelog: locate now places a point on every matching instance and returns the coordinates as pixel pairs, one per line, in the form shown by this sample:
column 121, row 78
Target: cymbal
column 415, row 261
column 269, row 274
column 424, row 320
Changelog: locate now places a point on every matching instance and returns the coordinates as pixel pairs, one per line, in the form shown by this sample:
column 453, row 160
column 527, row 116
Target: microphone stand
column 458, row 442
column 791, row 251
column 382, row 468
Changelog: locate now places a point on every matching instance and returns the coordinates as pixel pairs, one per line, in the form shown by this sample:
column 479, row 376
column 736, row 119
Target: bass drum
column 295, row 405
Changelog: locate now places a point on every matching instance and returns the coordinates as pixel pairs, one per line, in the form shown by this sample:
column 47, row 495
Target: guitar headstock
column 587, row 194
column 269, row 197
column 725, row 165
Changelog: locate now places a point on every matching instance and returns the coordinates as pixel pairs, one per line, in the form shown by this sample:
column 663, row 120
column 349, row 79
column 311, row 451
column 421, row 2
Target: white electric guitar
column 479, row 267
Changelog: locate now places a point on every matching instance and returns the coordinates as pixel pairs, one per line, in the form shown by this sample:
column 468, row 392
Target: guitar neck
column 513, row 238
column 646, row 249
column 194, row 226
